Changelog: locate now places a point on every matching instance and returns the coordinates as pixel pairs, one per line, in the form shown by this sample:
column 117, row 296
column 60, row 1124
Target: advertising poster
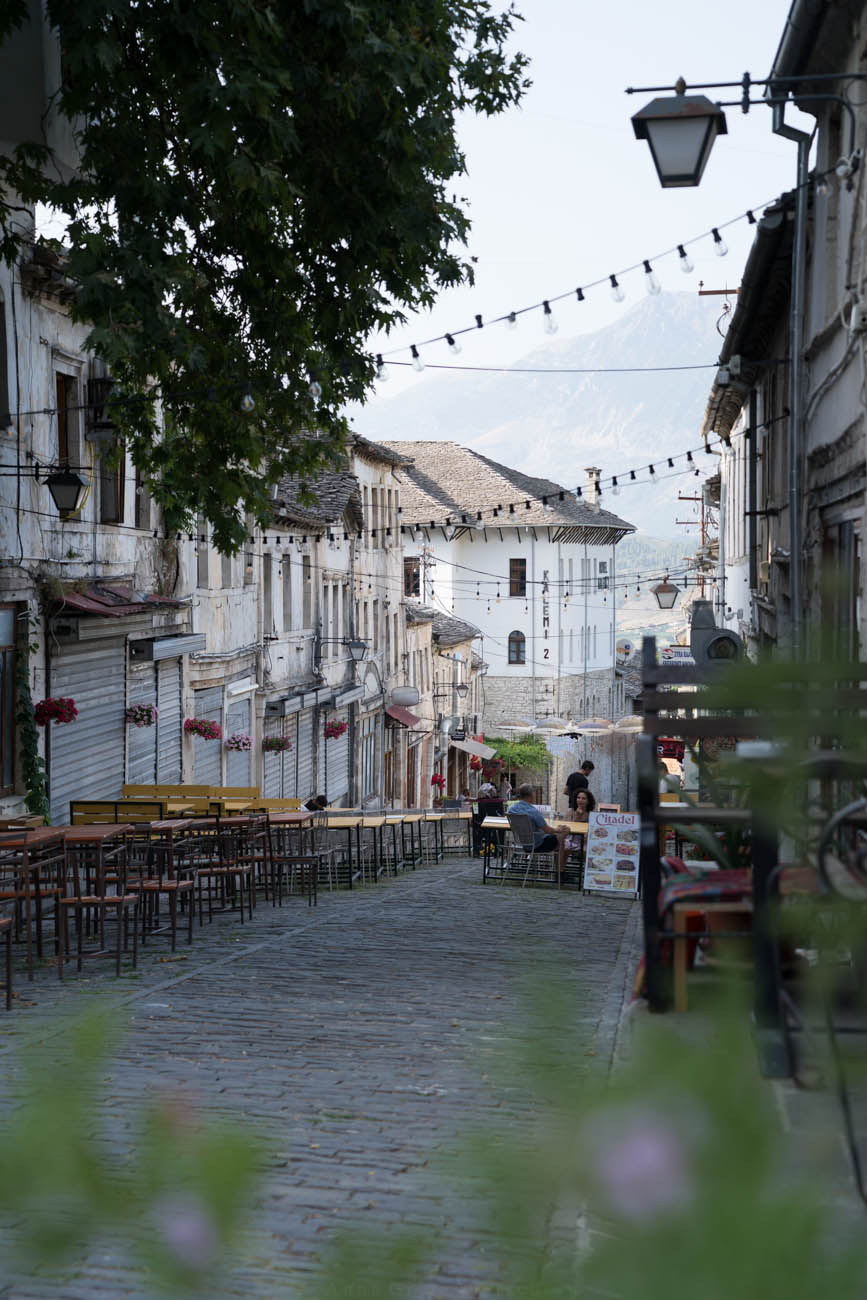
column 611, row 861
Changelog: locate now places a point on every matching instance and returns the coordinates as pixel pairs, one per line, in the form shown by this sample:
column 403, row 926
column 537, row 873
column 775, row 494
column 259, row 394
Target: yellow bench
column 84, row 811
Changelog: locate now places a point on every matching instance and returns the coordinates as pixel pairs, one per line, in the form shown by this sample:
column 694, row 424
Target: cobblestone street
column 347, row 1036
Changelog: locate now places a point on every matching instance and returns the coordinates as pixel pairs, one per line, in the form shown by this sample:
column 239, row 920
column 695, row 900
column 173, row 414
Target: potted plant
column 55, row 708
column 334, row 729
column 239, row 740
column 141, row 715
column 438, row 781
column 276, row 744
column 203, row 728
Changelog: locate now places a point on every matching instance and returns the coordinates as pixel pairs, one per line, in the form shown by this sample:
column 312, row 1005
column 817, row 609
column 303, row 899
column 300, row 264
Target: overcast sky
column 560, row 191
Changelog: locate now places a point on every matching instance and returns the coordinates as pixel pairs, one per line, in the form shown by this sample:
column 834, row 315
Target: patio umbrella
column 591, row 725
column 552, row 724
column 633, row 722
column 515, row 724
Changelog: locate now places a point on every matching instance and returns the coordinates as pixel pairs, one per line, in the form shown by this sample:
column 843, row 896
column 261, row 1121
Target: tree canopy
column 263, row 184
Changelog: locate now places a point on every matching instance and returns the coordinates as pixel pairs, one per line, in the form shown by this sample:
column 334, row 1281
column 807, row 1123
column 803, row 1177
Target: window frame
column 517, row 649
column 518, row 577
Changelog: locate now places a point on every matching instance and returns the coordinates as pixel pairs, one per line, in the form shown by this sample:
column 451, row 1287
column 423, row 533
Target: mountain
column 554, row 425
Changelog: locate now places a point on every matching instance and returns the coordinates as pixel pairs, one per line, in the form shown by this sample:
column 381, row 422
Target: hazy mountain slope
column 556, row 425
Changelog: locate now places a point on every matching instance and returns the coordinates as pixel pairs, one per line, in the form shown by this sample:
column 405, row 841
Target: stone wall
column 507, row 698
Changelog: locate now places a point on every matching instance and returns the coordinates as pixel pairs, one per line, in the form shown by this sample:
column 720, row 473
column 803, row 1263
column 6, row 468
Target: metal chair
column 523, row 856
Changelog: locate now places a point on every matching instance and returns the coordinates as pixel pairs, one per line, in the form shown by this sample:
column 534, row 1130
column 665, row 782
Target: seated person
column 489, row 804
column 316, row 803
column 545, row 838
column 585, row 802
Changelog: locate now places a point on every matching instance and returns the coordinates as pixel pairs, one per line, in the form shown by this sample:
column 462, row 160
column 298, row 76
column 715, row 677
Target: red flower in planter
column 55, row 708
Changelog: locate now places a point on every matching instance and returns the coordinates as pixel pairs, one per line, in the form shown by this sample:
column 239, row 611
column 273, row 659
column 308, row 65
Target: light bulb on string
column 248, row 402
column 617, row 292
column 615, row 487
column 511, row 321
column 720, row 247
column 579, row 294
column 549, row 324
column 417, row 363
column 381, row 369
column 686, row 264
column 823, row 186
column 454, row 348
column 651, row 283
column 314, row 387
column 652, row 472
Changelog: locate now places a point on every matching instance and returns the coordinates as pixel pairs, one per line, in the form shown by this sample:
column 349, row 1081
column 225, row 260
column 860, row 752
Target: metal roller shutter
column 238, row 760
column 280, row 768
column 86, row 757
column 169, row 726
column 304, row 750
column 333, row 764
column 141, row 742
column 207, row 753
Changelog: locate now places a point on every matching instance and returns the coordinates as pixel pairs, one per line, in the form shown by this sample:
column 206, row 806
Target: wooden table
column 347, row 822
column 34, row 850
column 683, row 934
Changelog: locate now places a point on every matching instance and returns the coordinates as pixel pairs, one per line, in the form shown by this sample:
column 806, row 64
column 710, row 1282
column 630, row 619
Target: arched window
column 517, row 648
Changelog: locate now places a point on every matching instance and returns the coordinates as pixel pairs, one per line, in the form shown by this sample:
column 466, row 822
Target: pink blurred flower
column 187, row 1230
column 640, row 1163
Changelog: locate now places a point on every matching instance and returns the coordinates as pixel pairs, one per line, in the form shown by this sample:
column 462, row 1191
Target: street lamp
column 463, row 690
column 67, row 490
column 357, row 649
column 680, row 132
column 666, row 594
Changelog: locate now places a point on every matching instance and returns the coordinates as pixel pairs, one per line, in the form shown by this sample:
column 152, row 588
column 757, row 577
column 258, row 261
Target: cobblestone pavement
column 348, row 1036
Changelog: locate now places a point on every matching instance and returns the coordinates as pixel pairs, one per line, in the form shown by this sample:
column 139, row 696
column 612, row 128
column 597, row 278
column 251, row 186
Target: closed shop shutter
column 207, row 753
column 280, row 768
column 238, row 760
column 141, row 742
column 86, row 757
column 304, row 750
column 333, row 763
column 170, row 722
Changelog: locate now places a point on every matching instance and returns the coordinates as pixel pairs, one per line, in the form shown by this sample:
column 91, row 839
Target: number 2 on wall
column 545, row 653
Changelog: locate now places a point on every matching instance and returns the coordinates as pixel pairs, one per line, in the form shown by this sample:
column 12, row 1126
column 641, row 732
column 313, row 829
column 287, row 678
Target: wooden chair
column 226, row 870
column 161, row 867
column 96, row 892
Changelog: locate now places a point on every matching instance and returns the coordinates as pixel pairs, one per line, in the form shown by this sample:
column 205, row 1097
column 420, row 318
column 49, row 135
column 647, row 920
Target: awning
column 402, row 715
column 473, row 747
column 114, row 601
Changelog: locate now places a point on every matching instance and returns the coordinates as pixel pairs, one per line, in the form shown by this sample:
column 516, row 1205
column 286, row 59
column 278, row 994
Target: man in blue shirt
column 545, row 838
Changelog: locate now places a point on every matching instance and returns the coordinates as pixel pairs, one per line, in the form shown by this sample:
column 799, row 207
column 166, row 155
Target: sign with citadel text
column 611, row 859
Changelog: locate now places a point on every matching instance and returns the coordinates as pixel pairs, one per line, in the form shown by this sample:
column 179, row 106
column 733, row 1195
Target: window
column 376, row 625
column 201, row 551
column 225, row 571
column 286, row 572
column 267, row 594
column 411, row 575
column 306, row 593
column 517, row 578
column 142, row 502
column 602, row 576
column 368, row 755
column 7, row 698
column 112, row 471
column 5, row 414
column 517, row 648
column 67, row 418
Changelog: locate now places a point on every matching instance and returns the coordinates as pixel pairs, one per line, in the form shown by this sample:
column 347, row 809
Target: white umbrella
column 514, row 724
column 552, row 724
column 593, row 725
column 632, row 722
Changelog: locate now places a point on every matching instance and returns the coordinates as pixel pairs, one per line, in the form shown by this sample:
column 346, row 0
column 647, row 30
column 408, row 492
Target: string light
column 615, row 487
column 651, row 283
column 417, row 363
column 511, row 321
column 579, row 294
column 381, row 369
column 686, row 264
column 617, row 292
column 248, row 401
column 720, row 247
column 454, row 348
column 550, row 325
column 314, row 388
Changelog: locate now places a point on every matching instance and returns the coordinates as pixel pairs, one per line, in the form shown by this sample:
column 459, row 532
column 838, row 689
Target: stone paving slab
column 349, row 1036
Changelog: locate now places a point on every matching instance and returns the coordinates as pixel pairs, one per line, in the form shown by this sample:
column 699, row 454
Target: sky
column 561, row 193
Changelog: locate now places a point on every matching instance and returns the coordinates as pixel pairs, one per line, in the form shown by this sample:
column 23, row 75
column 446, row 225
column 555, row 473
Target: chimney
column 591, row 491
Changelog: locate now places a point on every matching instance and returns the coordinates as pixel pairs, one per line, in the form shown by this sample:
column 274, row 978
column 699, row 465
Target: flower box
column 238, row 741
column 438, row 780
column 334, row 729
column 276, row 744
column 141, row 715
column 55, row 708
column 203, row 728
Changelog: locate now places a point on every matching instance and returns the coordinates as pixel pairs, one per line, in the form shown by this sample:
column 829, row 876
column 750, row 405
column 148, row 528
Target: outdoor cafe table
column 299, row 820
column 33, row 851
column 490, row 826
column 348, row 822
column 440, row 818
column 411, row 821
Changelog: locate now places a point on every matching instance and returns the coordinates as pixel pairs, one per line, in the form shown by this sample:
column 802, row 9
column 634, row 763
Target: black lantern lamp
column 67, row 490
column 463, row 690
column 680, row 130
column 666, row 594
column 357, row 649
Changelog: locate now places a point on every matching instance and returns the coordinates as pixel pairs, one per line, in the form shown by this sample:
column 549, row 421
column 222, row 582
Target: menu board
column 612, row 853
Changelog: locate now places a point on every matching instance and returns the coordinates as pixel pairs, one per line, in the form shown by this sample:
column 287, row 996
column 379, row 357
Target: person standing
column 579, row 780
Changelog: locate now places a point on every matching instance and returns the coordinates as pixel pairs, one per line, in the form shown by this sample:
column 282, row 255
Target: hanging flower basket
column 438, row 780
column 276, row 744
column 239, row 740
column 142, row 715
column 334, row 729
column 475, row 763
column 203, row 728
column 55, row 708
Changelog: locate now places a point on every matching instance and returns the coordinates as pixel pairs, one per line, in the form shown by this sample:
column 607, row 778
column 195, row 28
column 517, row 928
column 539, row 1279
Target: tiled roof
column 445, row 480
column 114, row 600
column 418, row 613
column 448, row 630
column 336, row 492
column 380, row 451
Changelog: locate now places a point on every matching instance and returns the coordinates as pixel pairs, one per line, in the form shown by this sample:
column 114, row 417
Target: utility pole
column 702, row 525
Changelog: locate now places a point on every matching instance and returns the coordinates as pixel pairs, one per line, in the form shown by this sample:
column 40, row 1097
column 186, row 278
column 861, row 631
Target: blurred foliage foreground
column 671, row 1179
